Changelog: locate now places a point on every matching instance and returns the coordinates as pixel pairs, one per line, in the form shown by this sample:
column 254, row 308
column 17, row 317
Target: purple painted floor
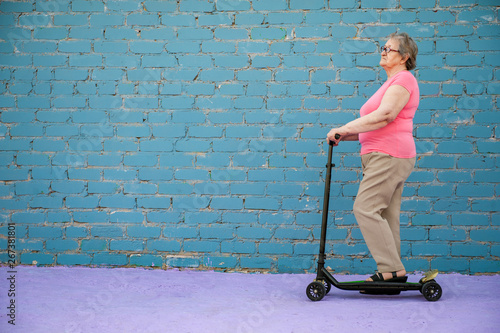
column 61, row 299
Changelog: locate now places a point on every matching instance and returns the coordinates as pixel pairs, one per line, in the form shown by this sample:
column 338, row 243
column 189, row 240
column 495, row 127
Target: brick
column 414, row 234
column 146, row 260
column 68, row 186
column 256, row 189
column 201, row 246
column 451, row 205
column 226, row 203
column 288, row 233
column 106, row 232
column 200, row 89
column 90, row 217
column 233, row 5
column 483, row 266
column 37, row 259
column 154, row 203
column 476, row 15
column 485, row 235
column 61, row 245
column 11, row 33
column 367, row 16
column 262, row 203
column 469, row 250
column 453, row 176
column 470, row 219
column 180, row 232
column 357, row 74
column 7, row 19
column 213, row 187
column 216, row 232
column 430, row 219
column 175, row 188
column 436, row 191
column 117, row 201
column 169, row 217
column 231, row 34
column 275, row 248
column 416, row 205
column 126, row 245
column 84, row 32
column 253, row 233
column 74, row 259
column 252, row 47
column 351, row 249
column 183, row 262
column 46, row 202
column 436, row 162
column 431, row 249
column 58, row 217
column 447, row 234
column 435, row 74
column 74, row 46
column 197, row 6
column 251, row 19
column 268, row 33
column 109, row 259
column 87, row 6
column 44, row 232
column 176, row 159
column 15, row 6
column 50, row 33
column 238, row 247
column 143, row 19
column 76, row 232
column 39, row 47
column 485, row 205
column 264, row 5
column 190, row 203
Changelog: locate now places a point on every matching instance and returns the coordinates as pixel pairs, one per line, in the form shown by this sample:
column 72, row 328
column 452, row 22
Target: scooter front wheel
column 432, row 291
column 316, row 291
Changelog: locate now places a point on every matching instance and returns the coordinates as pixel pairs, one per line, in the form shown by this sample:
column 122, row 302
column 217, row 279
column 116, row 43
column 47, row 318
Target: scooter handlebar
column 337, row 136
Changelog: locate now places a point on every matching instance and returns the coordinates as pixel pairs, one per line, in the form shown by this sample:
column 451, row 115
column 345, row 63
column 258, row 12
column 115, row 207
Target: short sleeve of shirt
column 406, row 80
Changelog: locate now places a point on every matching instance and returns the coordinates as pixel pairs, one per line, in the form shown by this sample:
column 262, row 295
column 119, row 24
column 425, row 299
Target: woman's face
column 391, row 57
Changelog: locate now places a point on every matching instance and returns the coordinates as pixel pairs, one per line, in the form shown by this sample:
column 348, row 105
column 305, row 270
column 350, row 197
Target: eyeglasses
column 387, row 49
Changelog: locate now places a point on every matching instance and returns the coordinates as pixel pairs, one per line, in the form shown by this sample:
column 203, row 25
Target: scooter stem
column 326, row 202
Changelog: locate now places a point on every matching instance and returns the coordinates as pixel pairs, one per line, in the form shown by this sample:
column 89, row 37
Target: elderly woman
column 384, row 130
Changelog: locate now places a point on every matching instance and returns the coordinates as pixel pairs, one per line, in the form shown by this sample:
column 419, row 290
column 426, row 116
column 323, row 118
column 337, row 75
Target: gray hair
column 407, row 47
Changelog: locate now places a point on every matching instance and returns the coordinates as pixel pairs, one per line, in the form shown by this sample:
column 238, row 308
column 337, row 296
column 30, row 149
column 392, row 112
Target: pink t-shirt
column 396, row 138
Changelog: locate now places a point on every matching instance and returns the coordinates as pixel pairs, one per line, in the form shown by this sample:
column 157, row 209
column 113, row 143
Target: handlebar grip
column 337, row 136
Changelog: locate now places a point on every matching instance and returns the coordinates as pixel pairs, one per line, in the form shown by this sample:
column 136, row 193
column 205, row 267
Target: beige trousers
column 378, row 204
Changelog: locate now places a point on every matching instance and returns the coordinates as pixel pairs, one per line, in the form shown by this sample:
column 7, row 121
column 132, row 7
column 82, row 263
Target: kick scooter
column 317, row 289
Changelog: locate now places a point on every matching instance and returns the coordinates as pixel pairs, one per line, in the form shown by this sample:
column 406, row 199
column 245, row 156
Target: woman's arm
column 394, row 100
column 350, row 137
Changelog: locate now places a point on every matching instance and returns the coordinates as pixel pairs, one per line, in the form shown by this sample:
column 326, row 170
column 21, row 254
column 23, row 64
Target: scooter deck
column 377, row 285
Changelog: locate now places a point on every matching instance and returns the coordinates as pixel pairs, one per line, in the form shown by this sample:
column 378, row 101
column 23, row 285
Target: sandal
column 378, row 277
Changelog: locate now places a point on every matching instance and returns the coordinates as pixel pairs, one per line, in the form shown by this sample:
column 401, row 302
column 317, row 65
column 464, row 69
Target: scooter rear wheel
column 328, row 286
column 316, row 291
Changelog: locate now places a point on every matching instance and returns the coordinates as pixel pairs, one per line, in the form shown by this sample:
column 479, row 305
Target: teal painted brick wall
column 191, row 133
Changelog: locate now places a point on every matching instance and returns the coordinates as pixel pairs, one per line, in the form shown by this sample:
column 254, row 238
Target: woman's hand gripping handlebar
column 334, row 142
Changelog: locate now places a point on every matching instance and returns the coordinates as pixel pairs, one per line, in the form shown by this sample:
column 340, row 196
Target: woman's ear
column 405, row 58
